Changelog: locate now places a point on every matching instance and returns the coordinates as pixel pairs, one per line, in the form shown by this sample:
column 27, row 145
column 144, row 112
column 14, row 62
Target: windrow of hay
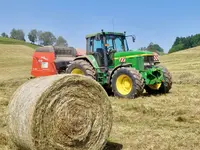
column 61, row 112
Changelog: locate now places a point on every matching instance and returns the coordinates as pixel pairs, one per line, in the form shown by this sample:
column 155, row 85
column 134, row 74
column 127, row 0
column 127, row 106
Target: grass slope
column 15, row 65
column 184, row 65
column 157, row 122
column 15, row 61
column 16, row 42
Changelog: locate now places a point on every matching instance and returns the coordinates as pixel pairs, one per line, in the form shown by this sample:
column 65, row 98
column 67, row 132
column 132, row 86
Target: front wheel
column 127, row 83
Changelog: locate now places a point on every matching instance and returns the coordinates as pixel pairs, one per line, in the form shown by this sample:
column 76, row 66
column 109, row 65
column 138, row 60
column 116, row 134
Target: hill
column 184, row 65
column 16, row 42
column 15, row 65
column 160, row 122
column 15, row 61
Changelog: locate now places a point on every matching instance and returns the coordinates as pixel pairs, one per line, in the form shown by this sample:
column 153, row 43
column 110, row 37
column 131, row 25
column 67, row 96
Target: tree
column 4, row 35
column 38, row 36
column 143, row 49
column 61, row 42
column 17, row 34
column 176, row 48
column 154, row 48
column 47, row 38
column 32, row 36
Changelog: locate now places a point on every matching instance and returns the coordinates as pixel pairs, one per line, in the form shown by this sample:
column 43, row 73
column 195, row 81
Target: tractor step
column 101, row 78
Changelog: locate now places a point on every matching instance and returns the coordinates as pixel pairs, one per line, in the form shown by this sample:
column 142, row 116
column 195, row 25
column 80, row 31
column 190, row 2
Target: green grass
column 16, row 42
column 163, row 122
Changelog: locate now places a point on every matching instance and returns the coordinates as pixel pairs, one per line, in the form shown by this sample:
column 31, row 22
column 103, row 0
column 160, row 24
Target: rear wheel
column 165, row 86
column 127, row 83
column 81, row 67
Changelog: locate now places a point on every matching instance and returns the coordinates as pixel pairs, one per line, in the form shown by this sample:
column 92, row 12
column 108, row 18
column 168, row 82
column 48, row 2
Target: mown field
column 162, row 122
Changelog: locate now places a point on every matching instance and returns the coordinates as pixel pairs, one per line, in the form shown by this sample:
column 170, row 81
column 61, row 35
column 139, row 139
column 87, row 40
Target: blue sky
column 157, row 21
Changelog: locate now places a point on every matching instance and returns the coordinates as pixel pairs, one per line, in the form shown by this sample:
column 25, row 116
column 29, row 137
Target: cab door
column 96, row 47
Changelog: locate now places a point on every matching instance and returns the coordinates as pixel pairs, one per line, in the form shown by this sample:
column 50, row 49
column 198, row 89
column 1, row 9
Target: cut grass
column 160, row 122
column 15, row 61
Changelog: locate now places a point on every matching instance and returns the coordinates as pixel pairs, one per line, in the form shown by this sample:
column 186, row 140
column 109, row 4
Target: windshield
column 117, row 43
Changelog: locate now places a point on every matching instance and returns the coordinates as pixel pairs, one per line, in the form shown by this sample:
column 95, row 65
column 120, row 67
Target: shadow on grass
column 113, row 146
column 155, row 94
column 145, row 94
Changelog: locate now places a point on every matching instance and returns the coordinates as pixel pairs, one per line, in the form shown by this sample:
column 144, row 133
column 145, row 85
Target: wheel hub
column 124, row 84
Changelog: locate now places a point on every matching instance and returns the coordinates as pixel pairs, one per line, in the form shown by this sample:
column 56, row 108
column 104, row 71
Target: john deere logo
column 122, row 59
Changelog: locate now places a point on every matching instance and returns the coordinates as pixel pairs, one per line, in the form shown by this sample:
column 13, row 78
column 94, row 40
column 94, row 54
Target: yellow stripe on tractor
column 134, row 56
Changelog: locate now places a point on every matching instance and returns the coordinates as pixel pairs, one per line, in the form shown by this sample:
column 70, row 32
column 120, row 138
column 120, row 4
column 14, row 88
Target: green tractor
column 118, row 69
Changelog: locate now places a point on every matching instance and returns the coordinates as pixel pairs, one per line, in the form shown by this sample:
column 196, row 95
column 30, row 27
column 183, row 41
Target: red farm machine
column 51, row 60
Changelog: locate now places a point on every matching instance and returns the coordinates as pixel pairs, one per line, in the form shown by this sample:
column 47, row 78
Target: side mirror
column 133, row 38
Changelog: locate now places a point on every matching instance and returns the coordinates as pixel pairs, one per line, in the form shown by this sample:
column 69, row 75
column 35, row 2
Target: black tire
column 165, row 86
column 84, row 66
column 137, row 82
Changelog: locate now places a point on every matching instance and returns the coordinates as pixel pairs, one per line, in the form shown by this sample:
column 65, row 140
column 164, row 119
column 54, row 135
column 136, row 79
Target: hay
column 61, row 112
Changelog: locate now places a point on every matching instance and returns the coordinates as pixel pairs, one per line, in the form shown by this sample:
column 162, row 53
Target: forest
column 182, row 43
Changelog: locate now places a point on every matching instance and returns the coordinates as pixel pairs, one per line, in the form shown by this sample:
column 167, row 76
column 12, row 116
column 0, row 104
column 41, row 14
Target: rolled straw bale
column 61, row 112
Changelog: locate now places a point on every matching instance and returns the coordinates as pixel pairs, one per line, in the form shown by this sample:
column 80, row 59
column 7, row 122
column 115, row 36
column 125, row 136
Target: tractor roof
column 108, row 33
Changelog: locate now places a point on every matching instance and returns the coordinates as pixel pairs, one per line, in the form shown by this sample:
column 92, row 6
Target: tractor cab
column 104, row 45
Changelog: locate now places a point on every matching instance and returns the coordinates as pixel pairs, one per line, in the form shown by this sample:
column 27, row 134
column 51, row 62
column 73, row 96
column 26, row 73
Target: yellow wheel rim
column 124, row 84
column 155, row 86
column 77, row 71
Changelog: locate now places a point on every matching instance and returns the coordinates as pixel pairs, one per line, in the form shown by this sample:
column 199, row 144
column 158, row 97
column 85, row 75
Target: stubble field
column 162, row 122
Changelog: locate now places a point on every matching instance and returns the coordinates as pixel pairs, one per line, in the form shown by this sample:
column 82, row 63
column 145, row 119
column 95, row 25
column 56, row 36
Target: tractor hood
column 131, row 53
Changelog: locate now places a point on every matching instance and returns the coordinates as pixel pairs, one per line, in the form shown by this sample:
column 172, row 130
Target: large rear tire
column 81, row 67
column 127, row 83
column 165, row 86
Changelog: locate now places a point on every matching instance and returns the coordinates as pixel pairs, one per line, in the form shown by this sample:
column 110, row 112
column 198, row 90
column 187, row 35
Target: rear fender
column 91, row 60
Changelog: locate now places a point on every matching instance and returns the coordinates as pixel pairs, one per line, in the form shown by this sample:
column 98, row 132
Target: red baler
column 51, row 60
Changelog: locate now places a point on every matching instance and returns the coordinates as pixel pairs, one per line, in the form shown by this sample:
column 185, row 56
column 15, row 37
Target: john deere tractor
column 125, row 72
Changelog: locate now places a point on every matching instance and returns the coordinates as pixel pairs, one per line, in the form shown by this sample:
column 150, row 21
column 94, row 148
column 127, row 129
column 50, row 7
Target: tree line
column 182, row 43
column 43, row 38
column 152, row 47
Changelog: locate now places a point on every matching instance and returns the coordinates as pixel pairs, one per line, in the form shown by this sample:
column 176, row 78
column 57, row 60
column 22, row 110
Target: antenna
column 113, row 23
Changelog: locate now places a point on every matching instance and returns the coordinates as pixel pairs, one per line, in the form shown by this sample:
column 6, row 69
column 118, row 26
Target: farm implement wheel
column 164, row 87
column 81, row 67
column 127, row 83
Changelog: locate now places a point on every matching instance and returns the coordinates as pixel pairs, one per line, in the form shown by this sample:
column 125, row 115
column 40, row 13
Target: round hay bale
column 60, row 112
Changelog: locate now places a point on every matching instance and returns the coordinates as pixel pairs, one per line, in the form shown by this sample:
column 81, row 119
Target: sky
column 157, row 21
